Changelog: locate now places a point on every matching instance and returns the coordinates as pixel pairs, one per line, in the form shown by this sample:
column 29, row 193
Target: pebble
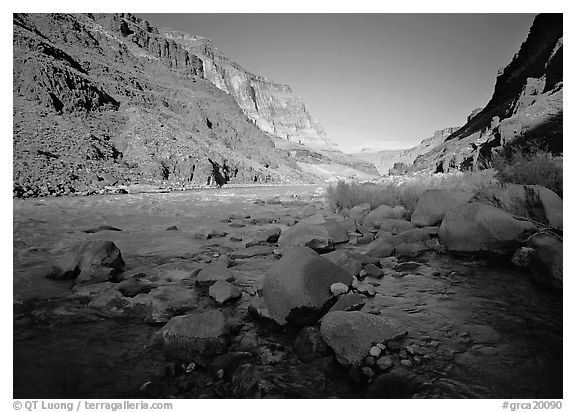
column 384, row 363
column 405, row 362
column 338, row 289
column 370, row 361
column 369, row 372
column 381, row 346
column 375, row 351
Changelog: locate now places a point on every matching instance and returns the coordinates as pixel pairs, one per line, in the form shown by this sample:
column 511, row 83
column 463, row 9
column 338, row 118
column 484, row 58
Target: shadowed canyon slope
column 103, row 100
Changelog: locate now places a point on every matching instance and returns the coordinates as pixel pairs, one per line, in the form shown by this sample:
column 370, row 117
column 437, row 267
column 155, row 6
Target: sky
column 383, row 80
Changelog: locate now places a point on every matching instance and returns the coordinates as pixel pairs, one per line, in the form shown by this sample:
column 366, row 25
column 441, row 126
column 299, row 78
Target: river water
column 487, row 330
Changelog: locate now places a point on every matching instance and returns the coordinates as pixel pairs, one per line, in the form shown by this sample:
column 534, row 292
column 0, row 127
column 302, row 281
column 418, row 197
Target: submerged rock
column 309, row 344
column 162, row 303
column 352, row 334
column 358, row 212
column 297, row 288
column 214, row 272
column 546, row 266
column 351, row 301
column 191, row 337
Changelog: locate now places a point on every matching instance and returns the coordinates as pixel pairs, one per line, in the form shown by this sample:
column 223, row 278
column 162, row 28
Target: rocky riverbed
column 166, row 297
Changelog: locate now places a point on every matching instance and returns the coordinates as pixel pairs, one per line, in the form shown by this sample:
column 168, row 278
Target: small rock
column 375, row 351
column 222, row 291
column 367, row 371
column 384, row 363
column 216, row 233
column 212, row 273
column 370, row 361
column 338, row 289
column 235, row 239
column 381, row 346
column 172, row 228
column 406, row 362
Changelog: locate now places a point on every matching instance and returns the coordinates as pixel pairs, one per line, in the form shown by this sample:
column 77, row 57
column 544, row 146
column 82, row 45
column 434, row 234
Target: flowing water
column 487, row 331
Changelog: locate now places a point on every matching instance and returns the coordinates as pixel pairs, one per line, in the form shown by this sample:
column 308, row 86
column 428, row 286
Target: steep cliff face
column 273, row 107
column 526, row 105
column 105, row 99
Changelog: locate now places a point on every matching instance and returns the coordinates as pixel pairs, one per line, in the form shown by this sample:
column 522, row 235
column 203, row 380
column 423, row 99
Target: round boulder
column 479, row 227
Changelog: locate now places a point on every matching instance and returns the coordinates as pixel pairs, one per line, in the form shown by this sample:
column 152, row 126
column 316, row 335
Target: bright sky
column 371, row 79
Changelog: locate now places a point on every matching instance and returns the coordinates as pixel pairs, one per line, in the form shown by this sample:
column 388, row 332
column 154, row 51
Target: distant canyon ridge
column 105, row 101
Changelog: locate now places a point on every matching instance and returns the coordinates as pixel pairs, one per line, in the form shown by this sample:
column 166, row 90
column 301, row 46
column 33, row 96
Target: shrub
column 530, row 166
column 403, row 190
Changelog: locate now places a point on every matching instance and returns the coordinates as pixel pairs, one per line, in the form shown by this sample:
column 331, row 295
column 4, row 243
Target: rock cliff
column 106, row 100
column 526, row 105
column 272, row 106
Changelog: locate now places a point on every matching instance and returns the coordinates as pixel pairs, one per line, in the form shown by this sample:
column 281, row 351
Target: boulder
column 433, row 204
column 384, row 212
column 336, row 232
column 223, row 291
column 358, row 212
column 90, row 262
column 352, row 334
column 479, row 227
column 350, row 260
column 543, row 239
column 316, row 237
column 212, row 273
column 546, row 266
column 297, row 287
column 385, row 245
column 395, row 226
column 112, row 303
column 530, row 201
column 162, row 303
column 192, row 337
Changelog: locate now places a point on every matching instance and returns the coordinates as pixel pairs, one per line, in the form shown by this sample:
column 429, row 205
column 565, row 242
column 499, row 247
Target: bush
column 403, row 190
column 530, row 166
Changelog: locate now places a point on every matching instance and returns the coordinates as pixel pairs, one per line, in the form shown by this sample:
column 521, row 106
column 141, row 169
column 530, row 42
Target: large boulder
column 531, row 201
column 352, row 334
column 192, row 337
column 358, row 212
column 384, row 212
column 297, row 288
column 480, row 227
column 546, row 265
column 433, row 204
column 316, row 237
column 90, row 261
column 337, row 232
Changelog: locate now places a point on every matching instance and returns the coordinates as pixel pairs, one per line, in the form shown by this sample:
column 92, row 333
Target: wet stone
column 375, row 351
column 384, row 363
